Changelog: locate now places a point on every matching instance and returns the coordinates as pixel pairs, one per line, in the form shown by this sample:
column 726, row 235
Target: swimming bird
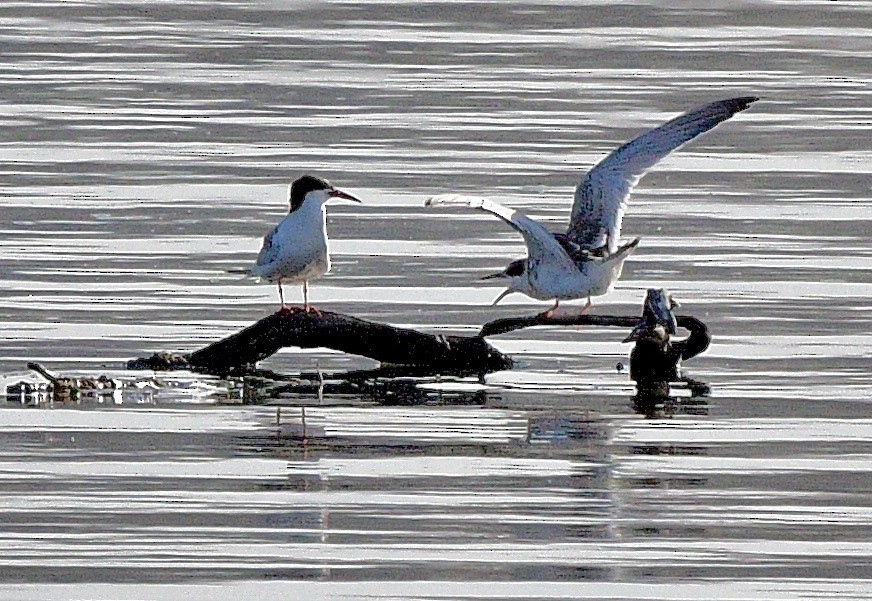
column 587, row 259
column 297, row 250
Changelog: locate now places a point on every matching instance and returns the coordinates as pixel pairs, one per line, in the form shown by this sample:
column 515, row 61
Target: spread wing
column 601, row 196
column 541, row 245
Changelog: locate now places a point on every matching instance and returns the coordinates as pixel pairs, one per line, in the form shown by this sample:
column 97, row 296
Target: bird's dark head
column 514, row 274
column 514, row 270
column 309, row 187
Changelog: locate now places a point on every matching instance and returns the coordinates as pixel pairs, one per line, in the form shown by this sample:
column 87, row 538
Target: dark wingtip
column 633, row 244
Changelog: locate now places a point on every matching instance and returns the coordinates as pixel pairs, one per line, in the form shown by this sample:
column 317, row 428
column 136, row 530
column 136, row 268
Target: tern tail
column 624, row 251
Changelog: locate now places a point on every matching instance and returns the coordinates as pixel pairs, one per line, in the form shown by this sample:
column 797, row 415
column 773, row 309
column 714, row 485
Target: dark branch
column 381, row 342
column 654, row 358
column 699, row 338
column 509, row 324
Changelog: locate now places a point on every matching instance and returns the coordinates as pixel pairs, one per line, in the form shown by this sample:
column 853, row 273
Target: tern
column 297, row 250
column 587, row 260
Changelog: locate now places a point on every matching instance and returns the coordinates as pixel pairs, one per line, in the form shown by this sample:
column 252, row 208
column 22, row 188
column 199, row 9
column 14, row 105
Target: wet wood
column 63, row 389
column 654, row 357
column 695, row 344
column 296, row 328
column 509, row 324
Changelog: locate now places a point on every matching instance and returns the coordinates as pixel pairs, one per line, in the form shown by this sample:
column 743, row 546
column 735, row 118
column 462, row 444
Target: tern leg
column 549, row 312
column 281, row 292
column 586, row 306
column 306, row 306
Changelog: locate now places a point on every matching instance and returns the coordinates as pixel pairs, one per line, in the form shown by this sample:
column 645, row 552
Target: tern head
column 314, row 189
column 514, row 276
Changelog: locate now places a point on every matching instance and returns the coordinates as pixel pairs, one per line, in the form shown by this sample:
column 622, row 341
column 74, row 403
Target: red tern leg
column 306, row 306
column 549, row 312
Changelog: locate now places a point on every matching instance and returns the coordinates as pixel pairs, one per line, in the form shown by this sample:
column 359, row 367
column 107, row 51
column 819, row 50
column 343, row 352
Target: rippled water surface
column 145, row 149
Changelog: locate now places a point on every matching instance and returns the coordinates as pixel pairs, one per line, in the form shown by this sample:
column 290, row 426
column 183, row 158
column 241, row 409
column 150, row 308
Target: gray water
column 145, row 149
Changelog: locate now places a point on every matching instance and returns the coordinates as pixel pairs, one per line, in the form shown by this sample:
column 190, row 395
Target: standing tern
column 297, row 250
column 587, row 260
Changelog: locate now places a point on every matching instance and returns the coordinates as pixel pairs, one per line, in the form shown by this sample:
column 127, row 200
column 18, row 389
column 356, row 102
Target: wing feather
column 601, row 196
column 541, row 245
column 267, row 251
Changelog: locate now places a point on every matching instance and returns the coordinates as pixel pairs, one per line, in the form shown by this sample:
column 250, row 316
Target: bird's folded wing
column 601, row 196
column 267, row 252
column 541, row 245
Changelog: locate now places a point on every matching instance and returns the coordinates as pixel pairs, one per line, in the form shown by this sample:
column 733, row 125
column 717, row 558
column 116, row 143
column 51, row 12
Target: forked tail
column 624, row 251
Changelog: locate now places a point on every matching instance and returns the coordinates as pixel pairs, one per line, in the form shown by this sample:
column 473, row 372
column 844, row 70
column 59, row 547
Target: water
column 146, row 148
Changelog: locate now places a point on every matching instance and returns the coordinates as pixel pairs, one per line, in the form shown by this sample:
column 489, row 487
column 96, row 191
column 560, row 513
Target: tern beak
column 334, row 193
column 507, row 292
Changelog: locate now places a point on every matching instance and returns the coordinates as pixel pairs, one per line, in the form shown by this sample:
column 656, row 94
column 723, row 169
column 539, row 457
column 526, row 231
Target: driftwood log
column 655, row 357
column 382, row 342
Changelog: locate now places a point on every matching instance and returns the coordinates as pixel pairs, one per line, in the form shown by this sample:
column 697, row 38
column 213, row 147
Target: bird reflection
column 386, row 386
column 658, row 402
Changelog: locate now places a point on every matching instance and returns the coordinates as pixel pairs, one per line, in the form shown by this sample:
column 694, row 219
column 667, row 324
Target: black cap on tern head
column 303, row 186
column 515, row 269
column 299, row 189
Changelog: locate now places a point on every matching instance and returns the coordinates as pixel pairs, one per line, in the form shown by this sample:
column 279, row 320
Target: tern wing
column 601, row 196
column 541, row 245
column 266, row 250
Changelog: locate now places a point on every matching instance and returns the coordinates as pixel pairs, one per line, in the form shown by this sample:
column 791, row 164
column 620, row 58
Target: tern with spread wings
column 587, row 260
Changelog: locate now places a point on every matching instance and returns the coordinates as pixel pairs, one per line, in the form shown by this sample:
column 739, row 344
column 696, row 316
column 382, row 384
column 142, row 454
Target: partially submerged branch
column 655, row 359
column 655, row 356
column 381, row 342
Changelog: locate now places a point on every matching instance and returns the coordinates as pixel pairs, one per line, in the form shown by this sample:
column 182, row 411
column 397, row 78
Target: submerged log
column 384, row 343
column 657, row 358
column 654, row 358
